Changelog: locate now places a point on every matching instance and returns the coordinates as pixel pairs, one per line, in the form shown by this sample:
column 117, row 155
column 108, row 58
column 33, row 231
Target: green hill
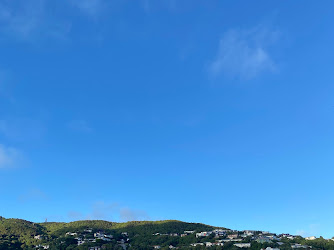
column 16, row 233
column 142, row 235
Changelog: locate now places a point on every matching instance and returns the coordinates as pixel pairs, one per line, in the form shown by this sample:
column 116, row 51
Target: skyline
column 213, row 112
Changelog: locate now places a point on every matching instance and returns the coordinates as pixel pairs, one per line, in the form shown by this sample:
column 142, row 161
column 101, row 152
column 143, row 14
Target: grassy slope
column 149, row 227
column 19, row 227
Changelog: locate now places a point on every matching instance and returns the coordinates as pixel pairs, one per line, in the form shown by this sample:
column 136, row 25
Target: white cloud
column 9, row 156
column 244, row 53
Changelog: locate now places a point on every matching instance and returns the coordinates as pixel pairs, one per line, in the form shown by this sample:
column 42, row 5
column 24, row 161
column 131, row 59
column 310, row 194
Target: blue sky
column 219, row 112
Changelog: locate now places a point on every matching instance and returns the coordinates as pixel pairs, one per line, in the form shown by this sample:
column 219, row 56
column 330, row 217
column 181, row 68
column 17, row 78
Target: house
column 98, row 234
column 80, row 241
column 288, row 236
column 38, row 237
column 203, row 234
column 270, row 248
column 197, row 244
column 220, row 232
column 94, row 248
column 272, row 237
column 298, row 246
column 263, row 239
column 189, row 232
column 228, row 240
column 90, row 240
column 284, row 235
column 156, row 247
column 43, row 246
column 71, row 234
column 250, row 232
column 242, row 245
column 102, row 236
column 232, row 236
column 209, row 244
column 310, row 238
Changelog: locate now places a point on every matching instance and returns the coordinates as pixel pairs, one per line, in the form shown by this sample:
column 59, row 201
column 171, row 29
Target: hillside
column 168, row 234
column 20, row 233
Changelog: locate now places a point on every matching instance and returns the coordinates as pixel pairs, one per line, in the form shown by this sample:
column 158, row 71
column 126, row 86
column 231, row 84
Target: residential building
column 232, row 236
column 203, row 234
column 209, row 244
column 298, row 246
column 242, row 245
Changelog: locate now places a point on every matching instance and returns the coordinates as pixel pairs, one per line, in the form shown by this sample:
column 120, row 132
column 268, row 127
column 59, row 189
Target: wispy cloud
column 9, row 156
column 21, row 19
column 2, row 83
column 74, row 215
column 111, row 212
column 103, row 211
column 150, row 5
column 127, row 214
column 22, row 129
column 99, row 211
column 311, row 230
column 91, row 8
column 244, row 53
column 28, row 20
column 80, row 126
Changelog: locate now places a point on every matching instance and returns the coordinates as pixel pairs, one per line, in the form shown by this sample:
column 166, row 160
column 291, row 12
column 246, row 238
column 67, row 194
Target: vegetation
column 21, row 234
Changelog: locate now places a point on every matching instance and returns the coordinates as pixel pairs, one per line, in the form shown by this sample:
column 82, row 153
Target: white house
column 208, row 244
column 298, row 246
column 242, row 245
column 197, row 244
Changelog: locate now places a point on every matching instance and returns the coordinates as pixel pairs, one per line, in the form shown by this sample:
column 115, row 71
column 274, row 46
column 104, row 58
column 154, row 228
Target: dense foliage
column 21, row 234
